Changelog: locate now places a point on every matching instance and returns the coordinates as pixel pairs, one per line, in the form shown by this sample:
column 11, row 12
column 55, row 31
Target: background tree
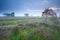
column 12, row 14
column 26, row 14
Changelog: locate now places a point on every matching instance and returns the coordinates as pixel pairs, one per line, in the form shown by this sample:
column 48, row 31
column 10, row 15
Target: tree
column 49, row 14
column 12, row 14
column 26, row 14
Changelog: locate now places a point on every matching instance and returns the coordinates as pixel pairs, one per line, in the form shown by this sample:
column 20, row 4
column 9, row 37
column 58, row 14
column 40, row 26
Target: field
column 28, row 28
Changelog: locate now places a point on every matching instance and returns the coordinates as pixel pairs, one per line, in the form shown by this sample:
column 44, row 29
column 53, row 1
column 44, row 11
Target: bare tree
column 49, row 14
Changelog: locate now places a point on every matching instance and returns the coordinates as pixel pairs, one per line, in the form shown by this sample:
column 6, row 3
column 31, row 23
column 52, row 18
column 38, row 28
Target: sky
column 32, row 7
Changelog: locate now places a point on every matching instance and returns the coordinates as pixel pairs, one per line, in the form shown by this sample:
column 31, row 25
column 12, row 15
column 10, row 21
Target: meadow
column 30, row 28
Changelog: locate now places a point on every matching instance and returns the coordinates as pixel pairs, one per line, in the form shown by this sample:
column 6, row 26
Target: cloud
column 42, row 3
column 36, row 4
column 54, row 8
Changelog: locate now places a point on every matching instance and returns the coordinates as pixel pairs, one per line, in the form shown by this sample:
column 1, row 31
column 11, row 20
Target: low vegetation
column 28, row 29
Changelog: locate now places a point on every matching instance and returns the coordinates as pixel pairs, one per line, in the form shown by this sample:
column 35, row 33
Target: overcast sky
column 33, row 7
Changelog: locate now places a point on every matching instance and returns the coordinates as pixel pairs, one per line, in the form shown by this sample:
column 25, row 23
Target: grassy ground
column 16, row 20
column 41, row 32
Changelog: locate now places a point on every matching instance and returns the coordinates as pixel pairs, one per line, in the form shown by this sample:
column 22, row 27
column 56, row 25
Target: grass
column 14, row 21
column 31, row 33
